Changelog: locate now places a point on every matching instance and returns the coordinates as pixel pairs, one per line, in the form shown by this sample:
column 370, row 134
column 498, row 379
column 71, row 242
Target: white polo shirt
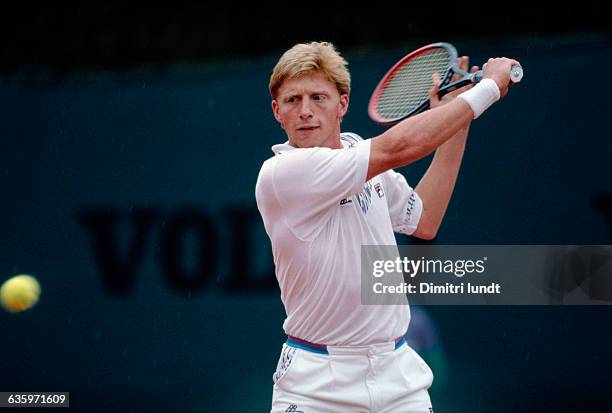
column 318, row 210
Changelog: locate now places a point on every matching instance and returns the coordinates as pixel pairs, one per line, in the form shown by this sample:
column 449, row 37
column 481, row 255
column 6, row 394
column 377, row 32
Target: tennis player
column 322, row 196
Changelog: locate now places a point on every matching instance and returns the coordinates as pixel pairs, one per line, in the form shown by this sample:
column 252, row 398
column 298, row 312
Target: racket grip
column 516, row 74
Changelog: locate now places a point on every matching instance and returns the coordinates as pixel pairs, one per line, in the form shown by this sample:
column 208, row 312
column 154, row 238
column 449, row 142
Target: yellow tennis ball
column 19, row 293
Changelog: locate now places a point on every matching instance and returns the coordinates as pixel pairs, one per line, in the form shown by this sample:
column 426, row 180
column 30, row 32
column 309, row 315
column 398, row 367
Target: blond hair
column 307, row 58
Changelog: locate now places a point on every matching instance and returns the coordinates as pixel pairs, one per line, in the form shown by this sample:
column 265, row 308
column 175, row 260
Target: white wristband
column 481, row 96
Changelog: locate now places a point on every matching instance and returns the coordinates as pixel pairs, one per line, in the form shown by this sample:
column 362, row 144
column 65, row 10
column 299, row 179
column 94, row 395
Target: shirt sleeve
column 405, row 205
column 307, row 182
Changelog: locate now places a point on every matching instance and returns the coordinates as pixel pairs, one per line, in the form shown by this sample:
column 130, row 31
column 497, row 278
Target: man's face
column 309, row 109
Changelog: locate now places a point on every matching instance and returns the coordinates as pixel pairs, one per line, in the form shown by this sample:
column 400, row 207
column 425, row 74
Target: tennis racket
column 404, row 90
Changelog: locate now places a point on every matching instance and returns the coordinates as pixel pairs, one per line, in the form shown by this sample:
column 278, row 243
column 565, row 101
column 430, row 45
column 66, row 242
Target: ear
column 343, row 105
column 276, row 111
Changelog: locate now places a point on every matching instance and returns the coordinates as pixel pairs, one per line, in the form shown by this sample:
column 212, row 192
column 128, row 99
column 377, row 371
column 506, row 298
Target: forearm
column 436, row 187
column 418, row 136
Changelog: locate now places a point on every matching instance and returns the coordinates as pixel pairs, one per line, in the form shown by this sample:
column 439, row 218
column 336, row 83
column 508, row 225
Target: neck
column 335, row 143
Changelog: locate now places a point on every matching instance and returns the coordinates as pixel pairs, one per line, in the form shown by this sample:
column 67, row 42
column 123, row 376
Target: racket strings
column 409, row 86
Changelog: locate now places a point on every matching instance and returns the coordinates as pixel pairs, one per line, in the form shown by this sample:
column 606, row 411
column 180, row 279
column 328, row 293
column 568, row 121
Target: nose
column 305, row 109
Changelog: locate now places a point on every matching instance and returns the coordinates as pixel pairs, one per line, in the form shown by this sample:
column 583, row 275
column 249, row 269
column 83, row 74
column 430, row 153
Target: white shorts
column 377, row 378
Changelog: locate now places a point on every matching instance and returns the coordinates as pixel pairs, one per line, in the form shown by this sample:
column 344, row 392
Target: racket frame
column 445, row 86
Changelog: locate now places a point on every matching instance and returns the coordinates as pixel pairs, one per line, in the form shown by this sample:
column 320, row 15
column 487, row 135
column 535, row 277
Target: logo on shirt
column 410, row 206
column 379, row 190
column 346, row 201
column 364, row 198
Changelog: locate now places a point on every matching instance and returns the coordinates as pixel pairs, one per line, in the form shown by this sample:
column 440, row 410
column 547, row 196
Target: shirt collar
column 282, row 148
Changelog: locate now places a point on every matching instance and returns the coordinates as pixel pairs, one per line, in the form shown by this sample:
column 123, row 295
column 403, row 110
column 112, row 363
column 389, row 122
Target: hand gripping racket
column 404, row 90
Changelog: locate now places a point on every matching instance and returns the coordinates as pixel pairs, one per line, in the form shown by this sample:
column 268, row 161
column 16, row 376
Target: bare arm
column 418, row 136
column 436, row 186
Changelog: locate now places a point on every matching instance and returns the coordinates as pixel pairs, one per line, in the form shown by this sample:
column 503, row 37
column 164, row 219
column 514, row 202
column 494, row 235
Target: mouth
column 307, row 128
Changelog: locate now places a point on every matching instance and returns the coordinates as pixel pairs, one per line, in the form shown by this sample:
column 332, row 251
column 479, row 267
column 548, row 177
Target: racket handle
column 516, row 74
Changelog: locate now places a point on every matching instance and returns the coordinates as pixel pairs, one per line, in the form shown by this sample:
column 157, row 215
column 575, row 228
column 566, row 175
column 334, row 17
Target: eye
column 318, row 98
